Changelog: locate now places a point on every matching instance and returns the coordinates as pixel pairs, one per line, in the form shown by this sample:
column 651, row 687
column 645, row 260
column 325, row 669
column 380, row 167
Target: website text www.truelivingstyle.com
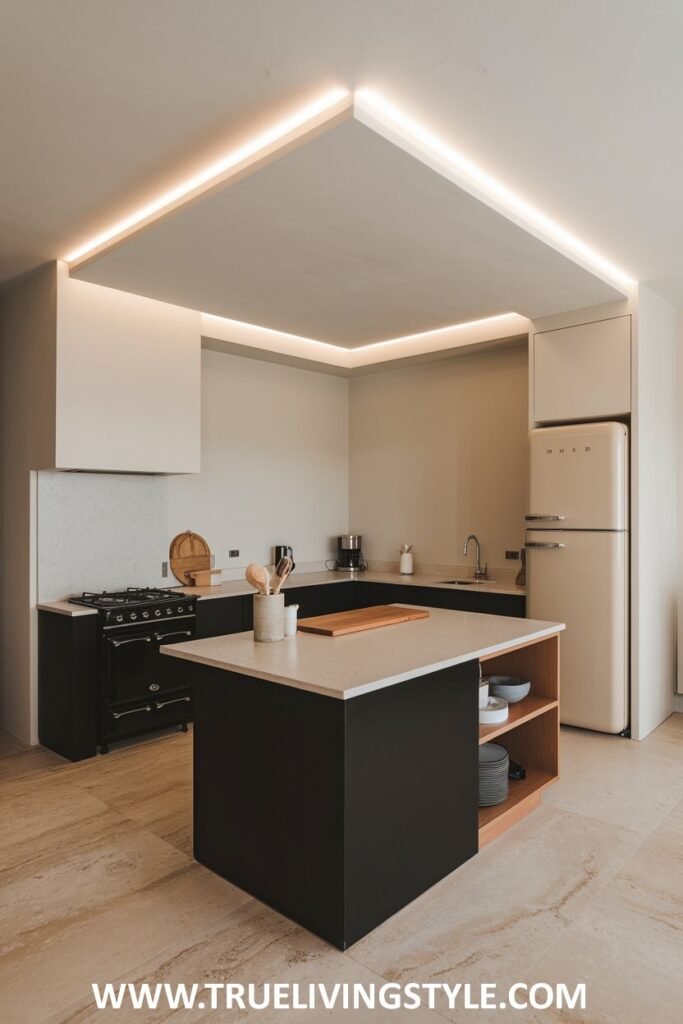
column 350, row 996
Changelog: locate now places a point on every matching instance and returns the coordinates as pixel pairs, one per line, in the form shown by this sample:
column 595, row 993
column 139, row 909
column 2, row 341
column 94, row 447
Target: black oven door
column 134, row 670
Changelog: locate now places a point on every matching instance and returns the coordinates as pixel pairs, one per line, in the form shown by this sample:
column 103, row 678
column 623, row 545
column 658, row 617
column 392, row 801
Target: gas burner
column 131, row 596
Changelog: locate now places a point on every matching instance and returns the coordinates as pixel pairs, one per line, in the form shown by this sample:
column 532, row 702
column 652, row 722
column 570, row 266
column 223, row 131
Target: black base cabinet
column 336, row 813
column 69, row 692
column 219, row 616
column 469, row 600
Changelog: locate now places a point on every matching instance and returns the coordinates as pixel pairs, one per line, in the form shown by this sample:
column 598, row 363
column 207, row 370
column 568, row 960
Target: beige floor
column 98, row 884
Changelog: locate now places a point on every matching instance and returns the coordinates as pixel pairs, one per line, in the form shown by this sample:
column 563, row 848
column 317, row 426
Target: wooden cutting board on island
column 360, row 619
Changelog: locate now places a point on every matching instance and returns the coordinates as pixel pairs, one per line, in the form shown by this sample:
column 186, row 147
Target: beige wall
column 27, row 412
column 653, row 513
column 274, row 471
column 274, row 461
column 439, row 451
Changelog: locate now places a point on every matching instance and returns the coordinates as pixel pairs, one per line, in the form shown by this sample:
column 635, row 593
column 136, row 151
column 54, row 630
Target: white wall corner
column 654, row 517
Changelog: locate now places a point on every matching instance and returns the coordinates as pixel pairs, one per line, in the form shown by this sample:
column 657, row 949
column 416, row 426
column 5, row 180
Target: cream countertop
column 232, row 588
column 351, row 665
column 235, row 588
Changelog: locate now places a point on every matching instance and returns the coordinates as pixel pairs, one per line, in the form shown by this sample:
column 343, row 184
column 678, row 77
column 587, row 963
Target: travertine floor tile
column 49, row 817
column 8, row 745
column 97, row 886
column 497, row 914
column 619, row 781
column 254, row 944
column 31, row 763
column 95, row 942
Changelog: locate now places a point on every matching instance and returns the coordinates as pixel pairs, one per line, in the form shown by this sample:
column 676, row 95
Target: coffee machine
column 350, row 553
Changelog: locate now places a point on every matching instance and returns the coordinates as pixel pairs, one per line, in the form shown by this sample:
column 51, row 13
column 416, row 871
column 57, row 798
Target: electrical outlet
column 514, row 555
column 234, row 553
column 164, row 569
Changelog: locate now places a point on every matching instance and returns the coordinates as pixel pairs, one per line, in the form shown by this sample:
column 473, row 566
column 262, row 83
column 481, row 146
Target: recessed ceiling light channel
column 279, row 133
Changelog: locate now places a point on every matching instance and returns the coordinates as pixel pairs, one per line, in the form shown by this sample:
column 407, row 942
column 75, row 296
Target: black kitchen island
column 336, row 779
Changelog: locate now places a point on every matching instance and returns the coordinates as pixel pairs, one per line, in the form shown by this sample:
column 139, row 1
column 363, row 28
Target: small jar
column 269, row 618
column 405, row 566
column 291, row 613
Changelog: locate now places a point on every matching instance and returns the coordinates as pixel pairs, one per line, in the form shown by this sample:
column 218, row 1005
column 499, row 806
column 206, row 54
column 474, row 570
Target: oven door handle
column 131, row 640
column 176, row 632
column 176, row 700
column 133, row 711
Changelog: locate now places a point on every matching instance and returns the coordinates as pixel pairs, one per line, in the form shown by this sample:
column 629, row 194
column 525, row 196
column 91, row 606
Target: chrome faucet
column 479, row 573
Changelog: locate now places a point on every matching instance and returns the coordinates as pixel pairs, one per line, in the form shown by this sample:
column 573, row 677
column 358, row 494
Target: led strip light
column 376, row 112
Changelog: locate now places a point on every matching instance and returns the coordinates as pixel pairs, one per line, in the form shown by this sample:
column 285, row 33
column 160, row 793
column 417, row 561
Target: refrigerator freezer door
column 580, row 578
column 579, row 477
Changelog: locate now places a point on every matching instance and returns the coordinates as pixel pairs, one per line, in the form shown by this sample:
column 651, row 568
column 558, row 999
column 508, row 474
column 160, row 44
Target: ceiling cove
column 348, row 226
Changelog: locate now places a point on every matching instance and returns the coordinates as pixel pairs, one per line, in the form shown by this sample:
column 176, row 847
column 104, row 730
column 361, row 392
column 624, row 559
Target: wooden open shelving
column 531, row 731
column 524, row 711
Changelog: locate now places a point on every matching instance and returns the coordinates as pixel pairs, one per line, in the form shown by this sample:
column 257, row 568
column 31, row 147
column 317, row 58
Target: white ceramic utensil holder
column 269, row 618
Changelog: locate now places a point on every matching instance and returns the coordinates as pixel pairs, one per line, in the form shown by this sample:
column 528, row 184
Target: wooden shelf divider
column 525, row 796
column 521, row 712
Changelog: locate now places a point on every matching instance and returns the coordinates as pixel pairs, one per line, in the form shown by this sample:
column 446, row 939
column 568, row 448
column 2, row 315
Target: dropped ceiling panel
column 346, row 239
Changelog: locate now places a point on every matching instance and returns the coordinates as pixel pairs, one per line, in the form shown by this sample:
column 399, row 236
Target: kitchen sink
column 462, row 583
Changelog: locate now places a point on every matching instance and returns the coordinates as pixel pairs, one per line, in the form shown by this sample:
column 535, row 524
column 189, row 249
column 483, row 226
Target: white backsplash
column 99, row 531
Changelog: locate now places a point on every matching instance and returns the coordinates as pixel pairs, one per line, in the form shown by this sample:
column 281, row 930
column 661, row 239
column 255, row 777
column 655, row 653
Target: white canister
column 405, row 565
column 291, row 612
column 269, row 618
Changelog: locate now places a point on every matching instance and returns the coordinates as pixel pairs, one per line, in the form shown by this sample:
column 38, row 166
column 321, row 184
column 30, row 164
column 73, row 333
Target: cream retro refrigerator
column 577, row 565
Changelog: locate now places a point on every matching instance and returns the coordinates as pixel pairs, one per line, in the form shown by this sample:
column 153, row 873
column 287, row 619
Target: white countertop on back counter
column 232, row 588
column 235, row 588
column 357, row 663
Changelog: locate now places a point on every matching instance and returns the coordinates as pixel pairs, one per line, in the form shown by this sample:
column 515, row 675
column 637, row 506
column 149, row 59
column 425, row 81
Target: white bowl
column 495, row 712
column 510, row 689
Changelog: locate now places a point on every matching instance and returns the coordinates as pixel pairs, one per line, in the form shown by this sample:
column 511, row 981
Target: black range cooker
column 141, row 690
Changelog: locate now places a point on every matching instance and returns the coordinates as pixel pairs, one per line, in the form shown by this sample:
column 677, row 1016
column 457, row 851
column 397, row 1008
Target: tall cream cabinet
column 582, row 372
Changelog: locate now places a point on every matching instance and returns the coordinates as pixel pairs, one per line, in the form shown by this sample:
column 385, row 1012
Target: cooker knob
column 157, row 612
column 169, row 611
column 145, row 615
column 133, row 616
column 119, row 618
column 180, row 609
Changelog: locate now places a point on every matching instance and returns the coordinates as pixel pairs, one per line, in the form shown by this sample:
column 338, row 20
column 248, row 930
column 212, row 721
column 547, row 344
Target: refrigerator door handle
column 542, row 544
column 543, row 519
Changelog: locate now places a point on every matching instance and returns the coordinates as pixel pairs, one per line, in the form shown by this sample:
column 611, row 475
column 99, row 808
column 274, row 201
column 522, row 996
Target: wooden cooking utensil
column 284, row 567
column 258, row 577
column 188, row 553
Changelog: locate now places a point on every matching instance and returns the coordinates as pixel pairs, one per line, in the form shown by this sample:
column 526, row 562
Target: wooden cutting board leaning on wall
column 190, row 558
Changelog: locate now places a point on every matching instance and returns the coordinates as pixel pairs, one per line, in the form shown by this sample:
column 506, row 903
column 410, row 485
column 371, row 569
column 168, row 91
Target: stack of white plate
column 494, row 764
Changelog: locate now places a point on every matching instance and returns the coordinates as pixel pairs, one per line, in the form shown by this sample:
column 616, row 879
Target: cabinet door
column 336, row 597
column 583, row 372
column 308, row 599
column 218, row 616
column 370, row 594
